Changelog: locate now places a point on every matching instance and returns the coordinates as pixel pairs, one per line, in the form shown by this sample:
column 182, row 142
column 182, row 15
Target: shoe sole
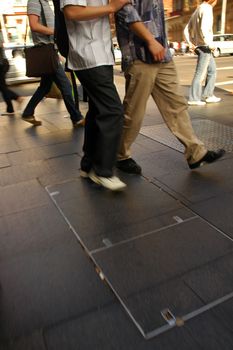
column 192, row 167
column 80, row 123
column 98, row 182
column 8, row 114
column 33, row 121
column 84, row 174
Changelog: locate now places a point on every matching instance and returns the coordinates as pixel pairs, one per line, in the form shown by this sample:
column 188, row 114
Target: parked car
column 223, row 44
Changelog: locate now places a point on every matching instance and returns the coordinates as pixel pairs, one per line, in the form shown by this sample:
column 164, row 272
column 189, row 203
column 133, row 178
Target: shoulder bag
column 41, row 59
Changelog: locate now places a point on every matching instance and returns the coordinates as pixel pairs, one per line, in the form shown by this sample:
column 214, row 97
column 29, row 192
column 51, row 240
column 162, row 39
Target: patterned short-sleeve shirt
column 151, row 13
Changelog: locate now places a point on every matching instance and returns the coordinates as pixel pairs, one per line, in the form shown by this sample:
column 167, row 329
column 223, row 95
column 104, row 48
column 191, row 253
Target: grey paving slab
column 172, row 172
column 133, row 230
column 224, row 314
column 163, row 163
column 59, row 177
column 20, row 173
column 26, row 156
column 64, row 163
column 44, row 152
column 21, row 196
column 110, row 329
column 218, row 211
column 134, row 268
column 213, row 280
column 31, row 231
column 33, row 138
column 7, row 146
column 172, row 295
column 35, row 341
column 210, row 333
column 111, row 212
column 47, row 286
column 4, row 161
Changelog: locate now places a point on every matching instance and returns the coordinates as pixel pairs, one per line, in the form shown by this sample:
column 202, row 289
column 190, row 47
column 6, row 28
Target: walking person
column 150, row 70
column 199, row 35
column 41, row 21
column 7, row 94
column 91, row 57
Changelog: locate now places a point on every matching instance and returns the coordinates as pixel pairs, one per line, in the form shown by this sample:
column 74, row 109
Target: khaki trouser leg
column 139, row 86
column 173, row 108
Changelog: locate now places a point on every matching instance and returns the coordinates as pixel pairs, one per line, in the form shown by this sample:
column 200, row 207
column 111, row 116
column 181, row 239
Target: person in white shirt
column 91, row 57
column 199, row 35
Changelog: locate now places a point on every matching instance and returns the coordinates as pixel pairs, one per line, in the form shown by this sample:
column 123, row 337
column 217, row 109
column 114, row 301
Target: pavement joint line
column 207, row 307
column 128, row 312
column 94, row 251
column 186, row 204
column 189, row 316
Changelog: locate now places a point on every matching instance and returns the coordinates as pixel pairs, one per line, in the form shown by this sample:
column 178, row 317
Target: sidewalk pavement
column 82, row 268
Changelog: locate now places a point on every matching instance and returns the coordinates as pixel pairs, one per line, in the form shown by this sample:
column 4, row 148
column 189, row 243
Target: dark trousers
column 7, row 94
column 63, row 85
column 104, row 120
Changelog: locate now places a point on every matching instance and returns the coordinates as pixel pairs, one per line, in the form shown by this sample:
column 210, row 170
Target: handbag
column 41, row 59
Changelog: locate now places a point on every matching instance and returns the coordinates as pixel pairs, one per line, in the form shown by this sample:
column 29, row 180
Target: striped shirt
column 90, row 43
column 46, row 17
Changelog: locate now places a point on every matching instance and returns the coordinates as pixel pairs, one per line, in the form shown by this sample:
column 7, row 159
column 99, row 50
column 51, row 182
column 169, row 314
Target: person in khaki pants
column 149, row 70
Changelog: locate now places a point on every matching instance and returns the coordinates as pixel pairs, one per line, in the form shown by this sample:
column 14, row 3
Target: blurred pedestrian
column 150, row 70
column 41, row 21
column 7, row 94
column 91, row 57
column 199, row 35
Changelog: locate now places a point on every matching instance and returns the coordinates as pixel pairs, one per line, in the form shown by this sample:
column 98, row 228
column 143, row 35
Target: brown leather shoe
column 32, row 120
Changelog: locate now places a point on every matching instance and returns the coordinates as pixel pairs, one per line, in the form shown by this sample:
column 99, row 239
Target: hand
column 118, row 4
column 157, row 50
column 192, row 48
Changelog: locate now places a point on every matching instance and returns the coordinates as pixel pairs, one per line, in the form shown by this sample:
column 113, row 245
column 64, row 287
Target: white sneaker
column 196, row 103
column 84, row 174
column 213, row 99
column 112, row 183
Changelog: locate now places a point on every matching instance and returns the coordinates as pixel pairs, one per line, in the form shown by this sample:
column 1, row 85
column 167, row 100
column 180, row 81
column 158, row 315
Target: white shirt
column 90, row 43
column 199, row 30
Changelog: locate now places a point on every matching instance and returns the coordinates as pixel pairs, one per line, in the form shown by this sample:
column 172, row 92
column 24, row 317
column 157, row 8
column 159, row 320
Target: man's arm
column 187, row 38
column 85, row 13
column 156, row 49
column 36, row 26
column 207, row 26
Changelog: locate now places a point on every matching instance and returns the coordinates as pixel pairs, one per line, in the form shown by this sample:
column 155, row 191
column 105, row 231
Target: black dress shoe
column 129, row 166
column 209, row 157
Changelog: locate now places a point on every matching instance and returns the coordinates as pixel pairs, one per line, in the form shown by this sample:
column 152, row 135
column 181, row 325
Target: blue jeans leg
column 39, row 94
column 210, row 79
column 203, row 62
column 65, row 87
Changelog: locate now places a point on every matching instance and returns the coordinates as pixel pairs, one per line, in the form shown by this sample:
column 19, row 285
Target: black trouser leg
column 104, row 118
